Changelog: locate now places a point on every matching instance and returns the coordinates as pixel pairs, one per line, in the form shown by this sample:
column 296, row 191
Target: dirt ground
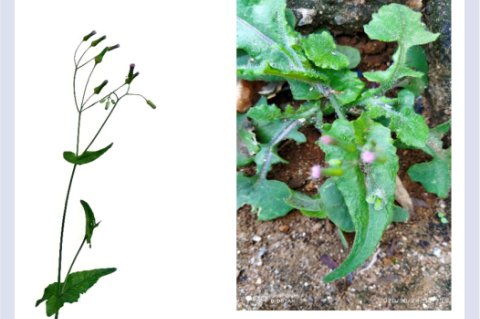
column 283, row 270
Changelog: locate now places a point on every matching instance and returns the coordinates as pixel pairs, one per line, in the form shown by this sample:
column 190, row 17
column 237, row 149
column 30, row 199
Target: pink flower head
column 368, row 157
column 316, row 171
column 326, row 139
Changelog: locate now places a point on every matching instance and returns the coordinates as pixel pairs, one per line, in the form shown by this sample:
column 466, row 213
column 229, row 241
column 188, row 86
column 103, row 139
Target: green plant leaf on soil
column 86, row 157
column 263, row 111
column 370, row 222
column 409, row 126
column 417, row 59
column 247, row 145
column 267, row 197
column 77, row 283
column 400, row 215
column 335, row 206
column 346, row 84
column 310, row 206
column 435, row 176
column 321, row 49
column 352, row 54
column 90, row 224
column 398, row 23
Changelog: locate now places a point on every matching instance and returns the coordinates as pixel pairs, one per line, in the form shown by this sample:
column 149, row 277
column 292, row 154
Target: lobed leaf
column 400, row 215
column 263, row 111
column 310, row 206
column 409, row 126
column 435, row 176
column 335, row 206
column 247, row 145
column 416, row 59
column 320, row 48
column 77, row 283
column 352, row 54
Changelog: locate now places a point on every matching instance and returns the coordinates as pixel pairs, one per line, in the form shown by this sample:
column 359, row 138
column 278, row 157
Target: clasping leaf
column 86, row 157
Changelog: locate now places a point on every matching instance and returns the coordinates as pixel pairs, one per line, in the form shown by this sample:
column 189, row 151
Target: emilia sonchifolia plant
column 360, row 145
column 74, row 284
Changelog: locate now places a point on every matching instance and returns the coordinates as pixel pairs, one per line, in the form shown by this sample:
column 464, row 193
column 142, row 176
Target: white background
column 165, row 191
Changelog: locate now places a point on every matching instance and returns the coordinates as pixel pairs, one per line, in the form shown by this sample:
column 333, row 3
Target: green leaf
column 352, row 54
column 247, row 145
column 346, row 84
column 86, row 157
column 335, row 206
column 320, row 48
column 90, row 222
column 398, row 23
column 263, row 111
column 310, row 206
column 409, row 126
column 400, row 215
column 267, row 197
column 435, row 176
column 369, row 220
column 77, row 283
column 417, row 59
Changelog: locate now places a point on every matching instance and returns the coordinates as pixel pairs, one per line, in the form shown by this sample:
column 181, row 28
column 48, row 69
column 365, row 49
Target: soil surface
column 281, row 263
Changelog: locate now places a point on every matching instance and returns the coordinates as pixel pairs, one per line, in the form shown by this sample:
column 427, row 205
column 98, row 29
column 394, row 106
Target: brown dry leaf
column 402, row 196
column 247, row 94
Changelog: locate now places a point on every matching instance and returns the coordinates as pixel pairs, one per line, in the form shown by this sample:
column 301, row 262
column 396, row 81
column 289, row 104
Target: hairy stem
column 336, row 106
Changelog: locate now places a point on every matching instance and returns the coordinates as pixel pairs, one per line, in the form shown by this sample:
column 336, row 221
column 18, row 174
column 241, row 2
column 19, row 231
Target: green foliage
column 435, row 176
column 86, row 157
column 361, row 198
column 77, row 283
column 90, row 224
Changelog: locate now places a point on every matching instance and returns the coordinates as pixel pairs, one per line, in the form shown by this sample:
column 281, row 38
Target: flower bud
column 151, row 104
column 332, row 172
column 370, row 199
column 335, row 162
column 94, row 43
column 368, row 157
column 99, row 58
column 346, row 146
column 316, row 171
column 107, row 105
column 130, row 72
column 100, row 87
column 113, row 47
column 88, row 36
column 378, row 204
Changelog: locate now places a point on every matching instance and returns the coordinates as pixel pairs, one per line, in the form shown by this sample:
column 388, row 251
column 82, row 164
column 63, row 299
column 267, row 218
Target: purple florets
column 325, row 139
column 132, row 65
column 316, row 171
column 93, row 32
column 117, row 46
column 368, row 157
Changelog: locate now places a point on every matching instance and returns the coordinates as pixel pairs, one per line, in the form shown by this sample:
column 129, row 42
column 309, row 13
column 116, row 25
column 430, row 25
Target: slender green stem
column 86, row 62
column 63, row 228
column 70, row 269
column 138, row 95
column 86, row 86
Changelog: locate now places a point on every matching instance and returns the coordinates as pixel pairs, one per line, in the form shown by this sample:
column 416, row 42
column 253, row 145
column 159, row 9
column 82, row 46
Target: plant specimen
column 74, row 284
column 360, row 145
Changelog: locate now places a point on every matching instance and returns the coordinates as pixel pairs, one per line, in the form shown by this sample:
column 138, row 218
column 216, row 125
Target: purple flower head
column 316, row 171
column 368, row 157
column 117, row 46
column 132, row 65
column 326, row 139
column 93, row 32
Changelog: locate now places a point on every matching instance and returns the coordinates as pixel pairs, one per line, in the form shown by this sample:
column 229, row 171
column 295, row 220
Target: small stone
column 259, row 263
column 248, row 298
column 256, row 238
column 436, row 252
column 309, row 187
column 259, row 281
column 432, row 299
column 261, row 253
column 238, row 273
column 276, row 271
column 284, row 228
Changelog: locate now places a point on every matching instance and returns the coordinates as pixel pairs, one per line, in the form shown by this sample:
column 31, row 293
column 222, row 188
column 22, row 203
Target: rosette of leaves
column 268, row 48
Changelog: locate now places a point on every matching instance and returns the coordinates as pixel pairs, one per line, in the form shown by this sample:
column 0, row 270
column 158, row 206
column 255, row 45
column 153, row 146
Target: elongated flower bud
column 335, row 162
column 130, row 72
column 113, row 47
column 151, row 104
column 370, row 157
column 94, row 43
column 99, row 88
column 88, row 36
column 99, row 58
column 318, row 171
column 346, row 146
